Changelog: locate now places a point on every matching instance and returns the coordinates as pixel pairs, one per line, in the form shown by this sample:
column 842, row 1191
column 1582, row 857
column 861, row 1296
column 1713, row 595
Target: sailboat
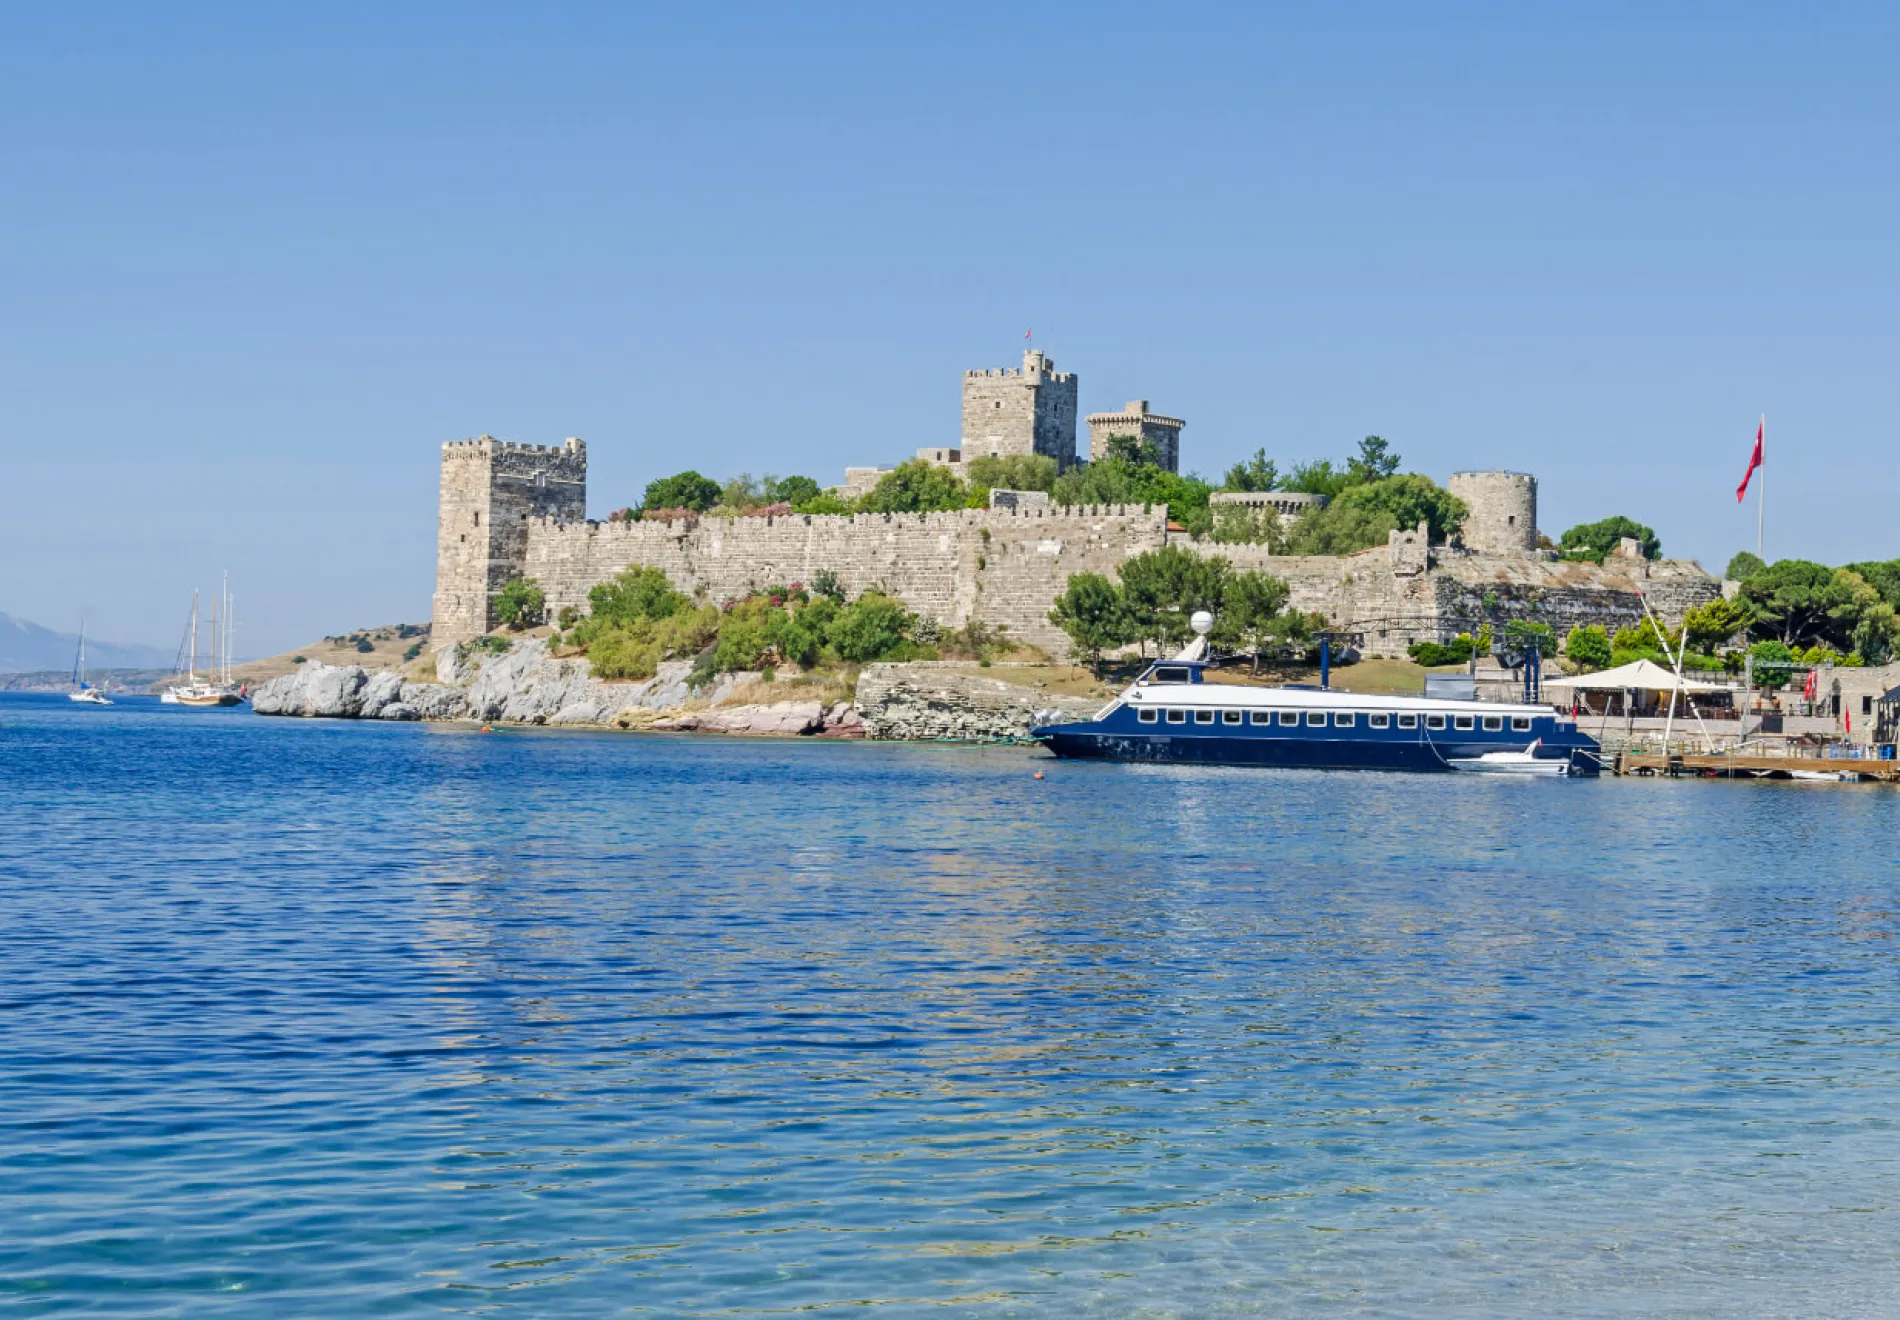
column 83, row 692
column 215, row 688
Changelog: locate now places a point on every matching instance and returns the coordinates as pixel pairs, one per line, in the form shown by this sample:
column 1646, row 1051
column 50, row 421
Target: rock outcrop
column 351, row 692
column 923, row 702
column 780, row 719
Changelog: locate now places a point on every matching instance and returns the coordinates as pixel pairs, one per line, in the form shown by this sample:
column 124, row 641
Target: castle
column 512, row 510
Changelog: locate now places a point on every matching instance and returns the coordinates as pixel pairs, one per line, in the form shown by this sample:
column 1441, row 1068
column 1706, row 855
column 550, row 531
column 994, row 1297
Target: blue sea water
column 323, row 1018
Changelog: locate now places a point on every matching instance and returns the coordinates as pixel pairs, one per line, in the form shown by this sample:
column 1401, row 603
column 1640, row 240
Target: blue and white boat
column 1172, row 713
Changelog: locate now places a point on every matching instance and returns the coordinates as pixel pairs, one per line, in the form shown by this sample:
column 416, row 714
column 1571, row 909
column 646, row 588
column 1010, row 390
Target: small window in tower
column 1511, row 521
column 478, row 519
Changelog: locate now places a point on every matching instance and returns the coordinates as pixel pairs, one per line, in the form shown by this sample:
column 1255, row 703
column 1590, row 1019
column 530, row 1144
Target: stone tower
column 1031, row 411
column 1136, row 420
column 1501, row 511
column 490, row 489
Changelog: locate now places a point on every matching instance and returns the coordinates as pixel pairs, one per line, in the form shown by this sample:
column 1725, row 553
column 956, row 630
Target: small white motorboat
column 1526, row 762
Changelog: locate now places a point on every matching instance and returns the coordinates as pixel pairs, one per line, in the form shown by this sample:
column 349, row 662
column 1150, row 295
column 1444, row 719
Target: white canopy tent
column 1637, row 676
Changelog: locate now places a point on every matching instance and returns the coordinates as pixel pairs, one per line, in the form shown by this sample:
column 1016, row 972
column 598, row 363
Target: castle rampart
column 519, row 511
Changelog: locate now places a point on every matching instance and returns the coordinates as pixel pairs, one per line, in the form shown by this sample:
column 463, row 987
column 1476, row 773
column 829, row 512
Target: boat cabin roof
column 1182, row 683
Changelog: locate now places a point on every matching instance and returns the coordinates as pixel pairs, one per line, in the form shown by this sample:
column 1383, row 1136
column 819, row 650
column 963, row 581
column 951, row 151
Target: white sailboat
column 83, row 692
column 215, row 688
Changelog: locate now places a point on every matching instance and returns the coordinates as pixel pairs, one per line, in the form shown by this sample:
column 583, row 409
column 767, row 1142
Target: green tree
column 1163, row 589
column 682, row 490
column 869, row 628
column 1012, row 472
column 1796, row 601
column 1409, row 500
column 1375, row 461
column 636, row 592
column 1253, row 613
column 1133, row 449
column 1589, row 646
column 1710, row 627
column 823, row 502
column 1319, row 477
column 915, row 487
column 1254, row 474
column 1592, row 542
column 1743, row 566
column 743, row 492
column 791, row 490
column 1117, row 481
column 520, row 604
column 1092, row 613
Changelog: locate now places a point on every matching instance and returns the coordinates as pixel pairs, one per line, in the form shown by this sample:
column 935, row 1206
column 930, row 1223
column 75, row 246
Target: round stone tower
column 1501, row 511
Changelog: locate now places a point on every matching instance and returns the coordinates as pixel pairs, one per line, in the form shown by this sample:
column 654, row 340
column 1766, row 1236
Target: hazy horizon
column 262, row 263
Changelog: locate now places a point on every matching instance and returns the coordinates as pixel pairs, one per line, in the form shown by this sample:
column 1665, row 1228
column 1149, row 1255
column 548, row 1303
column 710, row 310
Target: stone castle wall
column 489, row 491
column 996, row 566
column 519, row 511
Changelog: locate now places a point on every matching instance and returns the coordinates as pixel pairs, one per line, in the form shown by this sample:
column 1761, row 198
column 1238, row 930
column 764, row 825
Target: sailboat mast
column 191, row 666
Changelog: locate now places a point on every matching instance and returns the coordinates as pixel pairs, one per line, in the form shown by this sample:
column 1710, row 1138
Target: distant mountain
column 26, row 647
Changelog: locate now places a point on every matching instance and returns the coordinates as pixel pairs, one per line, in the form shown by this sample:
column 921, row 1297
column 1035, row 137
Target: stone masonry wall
column 490, row 489
column 997, row 566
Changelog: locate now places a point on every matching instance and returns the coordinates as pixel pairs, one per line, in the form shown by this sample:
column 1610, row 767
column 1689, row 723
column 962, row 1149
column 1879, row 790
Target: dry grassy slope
column 387, row 647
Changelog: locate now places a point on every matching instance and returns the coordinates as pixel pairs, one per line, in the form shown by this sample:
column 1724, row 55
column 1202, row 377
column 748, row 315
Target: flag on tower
column 1754, row 461
column 1027, row 333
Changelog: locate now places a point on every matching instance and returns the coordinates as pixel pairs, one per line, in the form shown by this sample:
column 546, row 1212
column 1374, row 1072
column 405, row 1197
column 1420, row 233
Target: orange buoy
column 1039, row 774
column 486, row 729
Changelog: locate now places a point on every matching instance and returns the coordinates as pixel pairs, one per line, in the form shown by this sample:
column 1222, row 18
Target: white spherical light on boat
column 1202, row 622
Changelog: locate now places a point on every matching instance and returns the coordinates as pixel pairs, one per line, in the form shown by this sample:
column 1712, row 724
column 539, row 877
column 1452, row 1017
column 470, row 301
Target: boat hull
column 221, row 699
column 1090, row 742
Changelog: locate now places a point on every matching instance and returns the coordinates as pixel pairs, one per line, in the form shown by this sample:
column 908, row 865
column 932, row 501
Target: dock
column 1732, row 765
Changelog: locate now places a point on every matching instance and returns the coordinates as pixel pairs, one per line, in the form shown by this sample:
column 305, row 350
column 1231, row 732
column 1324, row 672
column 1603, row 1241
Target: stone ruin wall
column 1002, row 567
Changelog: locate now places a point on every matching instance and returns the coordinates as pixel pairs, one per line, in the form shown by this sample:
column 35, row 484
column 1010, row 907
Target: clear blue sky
column 257, row 262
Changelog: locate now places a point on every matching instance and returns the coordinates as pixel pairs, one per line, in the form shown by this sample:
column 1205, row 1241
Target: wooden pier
column 1731, row 765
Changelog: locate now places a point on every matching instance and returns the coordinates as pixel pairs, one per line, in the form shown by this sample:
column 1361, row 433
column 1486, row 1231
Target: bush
column 825, row 583
column 365, row 645
column 872, row 627
column 299, row 659
column 915, row 487
column 1432, row 654
column 750, row 634
column 410, row 654
column 803, row 640
column 635, row 593
column 521, row 604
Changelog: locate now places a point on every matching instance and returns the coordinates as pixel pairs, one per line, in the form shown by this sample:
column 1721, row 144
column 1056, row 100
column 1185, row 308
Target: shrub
column 825, row 583
column 635, row 593
column 872, row 627
column 521, row 604
column 414, row 650
column 749, row 635
column 568, row 617
column 299, row 659
column 915, row 487
column 1431, row 654
column 803, row 640
column 365, row 645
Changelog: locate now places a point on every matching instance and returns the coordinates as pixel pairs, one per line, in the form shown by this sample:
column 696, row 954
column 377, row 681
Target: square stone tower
column 490, row 490
column 1137, row 421
column 1027, row 411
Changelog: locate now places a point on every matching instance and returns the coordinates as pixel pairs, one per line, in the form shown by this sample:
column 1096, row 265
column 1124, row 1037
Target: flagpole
column 1761, row 484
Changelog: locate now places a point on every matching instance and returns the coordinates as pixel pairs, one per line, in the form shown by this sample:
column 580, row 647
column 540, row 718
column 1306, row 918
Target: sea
column 315, row 1018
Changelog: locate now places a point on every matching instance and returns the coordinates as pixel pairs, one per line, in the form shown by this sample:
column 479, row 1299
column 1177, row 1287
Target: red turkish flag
column 1754, row 461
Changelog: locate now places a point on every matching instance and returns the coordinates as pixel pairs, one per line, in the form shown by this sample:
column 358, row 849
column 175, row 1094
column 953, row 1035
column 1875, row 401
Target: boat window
column 1147, row 716
column 1315, row 718
column 1171, row 675
column 1343, row 719
column 1289, row 717
column 1461, row 722
column 1230, row 717
column 1522, row 723
column 1493, row 723
column 1261, row 717
column 1434, row 721
column 1203, row 717
column 1177, row 717
column 1378, row 721
column 1408, row 721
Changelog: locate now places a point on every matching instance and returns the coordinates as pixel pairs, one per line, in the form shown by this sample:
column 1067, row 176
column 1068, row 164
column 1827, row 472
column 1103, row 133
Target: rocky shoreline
column 528, row 686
